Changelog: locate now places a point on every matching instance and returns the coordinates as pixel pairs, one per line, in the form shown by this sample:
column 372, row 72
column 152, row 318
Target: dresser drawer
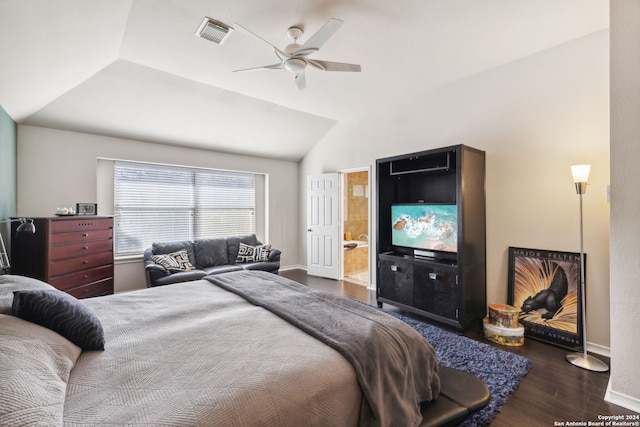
column 103, row 287
column 80, row 249
column 68, row 281
column 57, row 268
column 81, row 236
column 80, row 224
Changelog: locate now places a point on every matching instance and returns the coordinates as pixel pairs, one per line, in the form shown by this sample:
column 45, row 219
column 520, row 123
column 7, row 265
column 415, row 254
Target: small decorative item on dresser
column 86, row 208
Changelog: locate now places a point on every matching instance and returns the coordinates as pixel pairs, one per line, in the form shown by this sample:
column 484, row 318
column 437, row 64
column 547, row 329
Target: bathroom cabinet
column 444, row 286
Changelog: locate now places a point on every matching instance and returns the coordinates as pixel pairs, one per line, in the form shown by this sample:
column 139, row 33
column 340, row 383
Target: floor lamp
column 583, row 360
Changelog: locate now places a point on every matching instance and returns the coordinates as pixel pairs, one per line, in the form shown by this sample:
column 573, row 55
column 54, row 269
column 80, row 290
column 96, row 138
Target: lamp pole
column 583, row 360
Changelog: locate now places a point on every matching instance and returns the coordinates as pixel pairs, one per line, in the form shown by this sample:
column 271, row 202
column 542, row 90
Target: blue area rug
column 500, row 370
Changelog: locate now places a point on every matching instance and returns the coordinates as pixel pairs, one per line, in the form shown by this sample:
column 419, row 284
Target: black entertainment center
column 431, row 238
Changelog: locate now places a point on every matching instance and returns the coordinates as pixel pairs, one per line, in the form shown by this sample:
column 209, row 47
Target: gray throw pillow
column 61, row 313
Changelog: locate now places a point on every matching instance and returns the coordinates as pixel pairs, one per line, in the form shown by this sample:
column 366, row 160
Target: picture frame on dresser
column 86, row 209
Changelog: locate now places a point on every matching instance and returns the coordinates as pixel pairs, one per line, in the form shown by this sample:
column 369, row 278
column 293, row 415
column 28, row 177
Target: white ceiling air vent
column 213, row 30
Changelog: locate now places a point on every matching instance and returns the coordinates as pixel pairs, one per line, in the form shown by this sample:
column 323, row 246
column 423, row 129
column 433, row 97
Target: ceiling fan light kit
column 295, row 65
column 294, row 57
column 213, row 30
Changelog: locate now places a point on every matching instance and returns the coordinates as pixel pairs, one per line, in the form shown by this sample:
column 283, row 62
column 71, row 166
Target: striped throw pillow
column 175, row 261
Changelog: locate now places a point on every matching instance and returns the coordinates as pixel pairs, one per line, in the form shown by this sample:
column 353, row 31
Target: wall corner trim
column 621, row 399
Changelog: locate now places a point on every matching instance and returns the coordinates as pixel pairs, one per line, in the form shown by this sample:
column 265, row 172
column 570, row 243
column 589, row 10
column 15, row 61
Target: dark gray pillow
column 61, row 313
column 210, row 252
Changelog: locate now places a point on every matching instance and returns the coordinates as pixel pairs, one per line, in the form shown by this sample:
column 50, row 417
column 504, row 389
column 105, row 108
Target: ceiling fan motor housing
column 291, row 48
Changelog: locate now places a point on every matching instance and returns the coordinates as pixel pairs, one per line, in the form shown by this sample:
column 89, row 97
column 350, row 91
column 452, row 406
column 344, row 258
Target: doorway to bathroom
column 355, row 225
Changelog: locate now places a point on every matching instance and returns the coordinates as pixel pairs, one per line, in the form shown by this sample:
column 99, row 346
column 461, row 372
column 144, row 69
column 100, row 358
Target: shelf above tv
column 421, row 164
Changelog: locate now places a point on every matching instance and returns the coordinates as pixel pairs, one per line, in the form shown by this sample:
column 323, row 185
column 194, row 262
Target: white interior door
column 323, row 227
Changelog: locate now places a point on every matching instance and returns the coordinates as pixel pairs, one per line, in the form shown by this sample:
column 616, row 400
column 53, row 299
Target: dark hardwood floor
column 553, row 393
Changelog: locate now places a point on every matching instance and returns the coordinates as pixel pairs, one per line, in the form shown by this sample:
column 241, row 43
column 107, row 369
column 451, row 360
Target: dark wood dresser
column 72, row 253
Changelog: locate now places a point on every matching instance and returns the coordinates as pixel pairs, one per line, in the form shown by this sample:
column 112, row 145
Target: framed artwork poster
column 545, row 286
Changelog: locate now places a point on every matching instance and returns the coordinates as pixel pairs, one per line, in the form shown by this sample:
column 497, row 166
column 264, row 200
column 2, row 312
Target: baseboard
column 599, row 349
column 293, row 267
column 620, row 399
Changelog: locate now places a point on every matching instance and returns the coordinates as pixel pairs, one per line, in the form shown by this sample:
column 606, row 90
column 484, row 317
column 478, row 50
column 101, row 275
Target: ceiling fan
column 295, row 57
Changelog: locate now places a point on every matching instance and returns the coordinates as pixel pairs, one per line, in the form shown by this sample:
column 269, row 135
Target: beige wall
column 534, row 118
column 58, row 168
column 624, row 386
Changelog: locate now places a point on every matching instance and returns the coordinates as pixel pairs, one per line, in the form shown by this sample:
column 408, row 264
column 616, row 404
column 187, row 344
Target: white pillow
column 35, row 364
column 10, row 283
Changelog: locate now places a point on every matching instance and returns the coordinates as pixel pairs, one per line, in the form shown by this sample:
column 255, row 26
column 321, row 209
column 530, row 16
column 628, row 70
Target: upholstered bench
column 461, row 395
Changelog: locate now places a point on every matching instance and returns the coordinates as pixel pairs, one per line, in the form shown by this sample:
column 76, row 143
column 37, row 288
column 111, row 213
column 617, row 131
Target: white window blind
column 165, row 203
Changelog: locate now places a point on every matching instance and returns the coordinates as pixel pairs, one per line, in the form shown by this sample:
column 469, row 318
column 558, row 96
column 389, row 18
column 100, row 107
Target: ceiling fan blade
column 319, row 38
column 265, row 67
column 278, row 52
column 301, row 80
column 334, row 66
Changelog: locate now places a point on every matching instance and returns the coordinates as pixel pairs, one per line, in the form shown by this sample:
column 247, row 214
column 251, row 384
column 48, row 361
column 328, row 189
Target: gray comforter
column 395, row 366
column 194, row 354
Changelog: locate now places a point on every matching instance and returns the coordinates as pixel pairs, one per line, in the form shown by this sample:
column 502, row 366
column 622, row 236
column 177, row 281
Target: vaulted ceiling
column 134, row 68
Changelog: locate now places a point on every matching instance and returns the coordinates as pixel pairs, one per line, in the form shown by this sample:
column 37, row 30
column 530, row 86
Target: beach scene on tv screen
column 431, row 227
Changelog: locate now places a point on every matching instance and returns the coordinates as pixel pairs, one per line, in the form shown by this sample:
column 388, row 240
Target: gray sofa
column 206, row 256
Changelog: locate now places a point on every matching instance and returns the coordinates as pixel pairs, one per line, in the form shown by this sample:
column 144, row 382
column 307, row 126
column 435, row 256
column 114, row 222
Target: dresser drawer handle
column 85, row 276
column 85, row 247
column 85, row 262
column 85, row 234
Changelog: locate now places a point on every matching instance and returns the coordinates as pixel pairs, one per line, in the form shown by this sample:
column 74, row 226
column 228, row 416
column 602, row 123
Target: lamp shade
column 580, row 173
column 26, row 227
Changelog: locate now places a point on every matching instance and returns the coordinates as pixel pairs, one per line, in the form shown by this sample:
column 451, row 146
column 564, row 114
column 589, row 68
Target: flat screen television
column 425, row 226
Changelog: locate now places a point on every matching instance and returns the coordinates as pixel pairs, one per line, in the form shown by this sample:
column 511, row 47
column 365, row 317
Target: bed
column 200, row 353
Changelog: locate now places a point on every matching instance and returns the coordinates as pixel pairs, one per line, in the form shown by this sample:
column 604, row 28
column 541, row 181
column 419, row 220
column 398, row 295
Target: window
column 166, row 203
